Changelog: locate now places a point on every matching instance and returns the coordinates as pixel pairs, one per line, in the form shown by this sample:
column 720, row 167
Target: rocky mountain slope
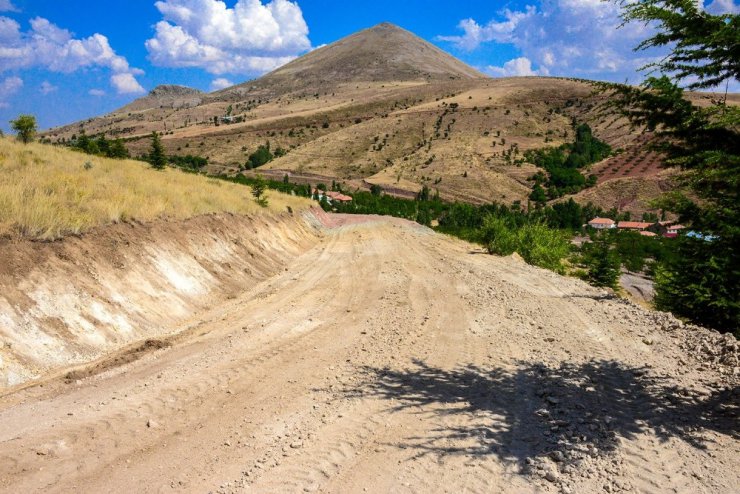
column 386, row 107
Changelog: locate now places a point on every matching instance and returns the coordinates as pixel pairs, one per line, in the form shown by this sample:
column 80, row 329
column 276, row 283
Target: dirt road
column 390, row 359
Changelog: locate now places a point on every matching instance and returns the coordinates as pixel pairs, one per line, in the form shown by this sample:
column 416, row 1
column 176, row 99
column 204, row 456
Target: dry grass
column 47, row 192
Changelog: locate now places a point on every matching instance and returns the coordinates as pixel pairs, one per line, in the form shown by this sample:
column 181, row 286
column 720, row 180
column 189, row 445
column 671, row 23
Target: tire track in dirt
column 386, row 358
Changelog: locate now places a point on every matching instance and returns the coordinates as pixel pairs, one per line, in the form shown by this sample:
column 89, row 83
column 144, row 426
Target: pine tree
column 602, row 262
column 157, row 157
column 702, row 282
column 258, row 191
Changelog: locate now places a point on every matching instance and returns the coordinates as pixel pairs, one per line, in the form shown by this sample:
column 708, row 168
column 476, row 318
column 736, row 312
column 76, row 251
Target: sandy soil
column 387, row 358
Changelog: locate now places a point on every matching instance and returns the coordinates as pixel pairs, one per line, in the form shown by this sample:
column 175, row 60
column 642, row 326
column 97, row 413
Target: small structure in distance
column 602, row 223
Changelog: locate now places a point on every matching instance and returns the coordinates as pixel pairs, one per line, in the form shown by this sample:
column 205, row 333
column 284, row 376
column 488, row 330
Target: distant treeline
column 98, row 146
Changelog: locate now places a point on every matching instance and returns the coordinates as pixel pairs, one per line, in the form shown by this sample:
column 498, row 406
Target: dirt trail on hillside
column 388, row 358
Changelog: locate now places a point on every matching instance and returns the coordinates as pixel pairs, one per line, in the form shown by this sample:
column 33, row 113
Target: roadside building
column 602, row 223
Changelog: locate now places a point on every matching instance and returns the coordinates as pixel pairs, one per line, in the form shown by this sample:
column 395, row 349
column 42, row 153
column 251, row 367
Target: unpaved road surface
column 389, row 359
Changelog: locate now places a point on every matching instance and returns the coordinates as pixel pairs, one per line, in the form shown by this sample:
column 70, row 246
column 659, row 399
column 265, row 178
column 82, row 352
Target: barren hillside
column 381, row 106
column 363, row 355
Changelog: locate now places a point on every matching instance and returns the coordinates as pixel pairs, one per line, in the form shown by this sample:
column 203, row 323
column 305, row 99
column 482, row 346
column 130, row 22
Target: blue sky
column 65, row 61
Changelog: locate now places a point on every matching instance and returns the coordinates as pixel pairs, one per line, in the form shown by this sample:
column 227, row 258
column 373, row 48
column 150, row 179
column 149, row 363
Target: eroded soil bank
column 75, row 300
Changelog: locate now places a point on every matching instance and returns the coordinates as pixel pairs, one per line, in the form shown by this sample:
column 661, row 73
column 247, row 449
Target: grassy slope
column 46, row 192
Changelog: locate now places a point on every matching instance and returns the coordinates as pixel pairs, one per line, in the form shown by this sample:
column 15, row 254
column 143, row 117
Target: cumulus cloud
column 498, row 31
column 96, row 92
column 221, row 83
column 47, row 88
column 7, row 6
column 250, row 38
column 563, row 37
column 126, row 83
column 517, row 67
column 11, row 85
column 50, row 47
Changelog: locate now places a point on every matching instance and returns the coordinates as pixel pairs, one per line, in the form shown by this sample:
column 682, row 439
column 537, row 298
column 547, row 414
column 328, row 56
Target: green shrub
column 602, row 263
column 538, row 244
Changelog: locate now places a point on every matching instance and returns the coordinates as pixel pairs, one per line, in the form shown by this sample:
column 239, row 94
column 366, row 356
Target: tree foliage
column 563, row 165
column 99, row 146
column 704, row 47
column 259, row 186
column 538, row 244
column 602, row 263
column 157, row 157
column 702, row 282
column 261, row 156
column 25, row 126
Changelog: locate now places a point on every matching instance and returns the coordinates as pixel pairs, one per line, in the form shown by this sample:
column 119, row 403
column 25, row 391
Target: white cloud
column 722, row 7
column 47, row 88
column 517, row 67
column 564, row 37
column 96, row 92
column 11, row 85
column 221, row 83
column 7, row 6
column 250, row 38
column 8, row 87
column 126, row 84
column 500, row 32
column 50, row 47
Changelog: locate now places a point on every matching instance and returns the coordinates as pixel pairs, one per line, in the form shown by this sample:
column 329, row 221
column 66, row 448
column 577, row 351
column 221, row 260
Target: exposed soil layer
column 382, row 357
column 72, row 301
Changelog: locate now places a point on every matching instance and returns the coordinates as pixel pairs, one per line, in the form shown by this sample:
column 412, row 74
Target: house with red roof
column 668, row 229
column 602, row 223
column 332, row 196
column 637, row 226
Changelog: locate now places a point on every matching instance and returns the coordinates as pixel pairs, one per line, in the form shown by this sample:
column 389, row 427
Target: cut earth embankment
column 75, row 300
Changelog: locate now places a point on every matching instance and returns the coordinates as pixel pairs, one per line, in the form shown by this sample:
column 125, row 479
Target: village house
column 668, row 229
column 673, row 231
column 332, row 196
column 602, row 223
column 637, row 226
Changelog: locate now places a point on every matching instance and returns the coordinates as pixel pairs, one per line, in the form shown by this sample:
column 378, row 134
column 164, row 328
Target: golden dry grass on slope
column 47, row 192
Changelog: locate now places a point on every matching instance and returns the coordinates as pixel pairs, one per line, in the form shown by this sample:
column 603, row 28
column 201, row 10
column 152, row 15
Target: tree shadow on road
column 531, row 411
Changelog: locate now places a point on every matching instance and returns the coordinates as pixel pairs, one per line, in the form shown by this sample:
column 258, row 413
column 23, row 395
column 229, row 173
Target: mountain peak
column 173, row 90
column 383, row 53
column 166, row 96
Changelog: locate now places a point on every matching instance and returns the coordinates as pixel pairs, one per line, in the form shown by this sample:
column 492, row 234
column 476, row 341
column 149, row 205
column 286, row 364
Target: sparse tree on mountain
column 25, row 126
column 157, row 157
column 258, row 191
